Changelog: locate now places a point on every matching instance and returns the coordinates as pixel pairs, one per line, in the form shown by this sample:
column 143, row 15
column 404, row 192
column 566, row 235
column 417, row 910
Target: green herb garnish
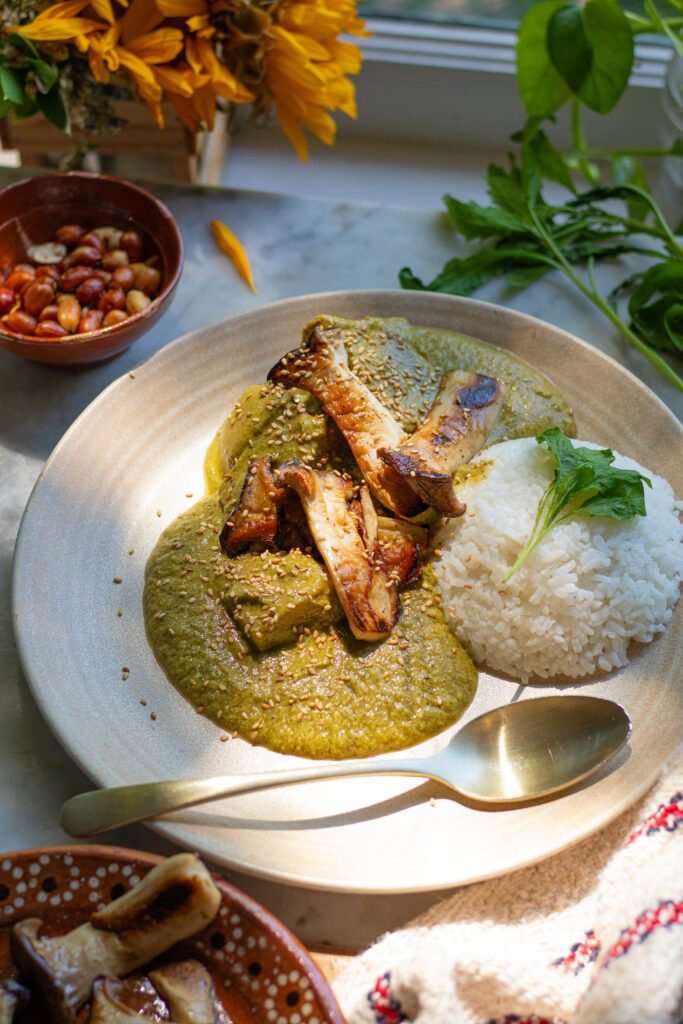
column 585, row 484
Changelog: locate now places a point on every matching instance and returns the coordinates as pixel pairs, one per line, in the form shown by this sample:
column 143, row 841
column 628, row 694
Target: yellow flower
column 138, row 57
column 59, row 23
column 306, row 67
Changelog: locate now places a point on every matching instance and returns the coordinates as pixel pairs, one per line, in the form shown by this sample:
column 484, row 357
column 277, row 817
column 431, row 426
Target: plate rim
column 171, row 830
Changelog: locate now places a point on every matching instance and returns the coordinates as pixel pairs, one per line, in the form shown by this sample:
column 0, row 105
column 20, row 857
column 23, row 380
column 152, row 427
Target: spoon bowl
column 519, row 752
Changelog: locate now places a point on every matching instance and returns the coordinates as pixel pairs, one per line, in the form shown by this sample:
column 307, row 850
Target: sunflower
column 306, row 67
column 284, row 54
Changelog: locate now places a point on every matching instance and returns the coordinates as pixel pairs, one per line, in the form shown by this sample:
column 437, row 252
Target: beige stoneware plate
column 125, row 470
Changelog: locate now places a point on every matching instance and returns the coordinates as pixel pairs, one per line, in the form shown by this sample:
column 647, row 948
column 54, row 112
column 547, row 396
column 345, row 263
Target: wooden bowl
column 32, row 210
column 261, row 972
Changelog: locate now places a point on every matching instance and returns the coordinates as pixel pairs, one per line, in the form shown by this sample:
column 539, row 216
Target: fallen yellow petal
column 228, row 242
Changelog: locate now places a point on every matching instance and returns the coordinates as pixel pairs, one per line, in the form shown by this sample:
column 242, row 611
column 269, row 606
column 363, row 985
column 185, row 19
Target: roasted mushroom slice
column 187, row 988
column 463, row 415
column 254, row 519
column 320, row 367
column 106, row 1007
column 346, row 537
column 176, row 899
column 12, row 997
column 403, row 545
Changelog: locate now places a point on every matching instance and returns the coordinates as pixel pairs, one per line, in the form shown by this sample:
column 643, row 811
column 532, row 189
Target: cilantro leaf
column 585, row 484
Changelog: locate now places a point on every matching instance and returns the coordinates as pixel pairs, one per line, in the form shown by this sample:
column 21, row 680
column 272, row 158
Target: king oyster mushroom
column 254, row 519
column 106, row 1008
column 12, row 997
column 347, row 541
column 403, row 545
column 187, row 988
column 176, row 899
column 463, row 415
column 320, row 366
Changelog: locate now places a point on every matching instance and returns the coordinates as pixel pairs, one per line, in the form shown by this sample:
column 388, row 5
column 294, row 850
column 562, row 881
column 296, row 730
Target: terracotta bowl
column 261, row 972
column 32, row 210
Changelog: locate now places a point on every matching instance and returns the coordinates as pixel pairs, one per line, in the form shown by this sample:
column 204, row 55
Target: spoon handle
column 102, row 809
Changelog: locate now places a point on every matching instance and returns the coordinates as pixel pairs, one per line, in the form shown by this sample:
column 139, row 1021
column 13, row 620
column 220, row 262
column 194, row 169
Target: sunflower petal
column 67, row 9
column 103, row 9
column 61, row 29
column 158, row 47
column 175, row 80
column 228, row 242
column 182, row 8
column 142, row 17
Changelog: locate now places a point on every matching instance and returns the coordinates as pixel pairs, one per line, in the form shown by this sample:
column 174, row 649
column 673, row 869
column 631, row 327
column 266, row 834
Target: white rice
column 589, row 588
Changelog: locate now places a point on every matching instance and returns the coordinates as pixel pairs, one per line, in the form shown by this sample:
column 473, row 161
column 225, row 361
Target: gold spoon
column 518, row 752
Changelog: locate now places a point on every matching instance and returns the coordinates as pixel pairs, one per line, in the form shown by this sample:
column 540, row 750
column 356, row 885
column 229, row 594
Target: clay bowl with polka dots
column 261, row 972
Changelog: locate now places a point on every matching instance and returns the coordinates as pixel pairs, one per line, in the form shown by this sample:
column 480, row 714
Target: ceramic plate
column 261, row 972
column 133, row 461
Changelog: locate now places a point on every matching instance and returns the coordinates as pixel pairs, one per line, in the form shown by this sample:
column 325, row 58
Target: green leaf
column 21, row 43
column 609, row 36
column 5, row 107
column 52, row 105
column 46, row 74
column 462, row 275
column 568, row 46
column 508, row 190
column 547, row 160
column 541, row 87
column 586, row 484
column 25, row 110
column 626, row 170
column 11, row 86
column 475, row 221
column 656, row 306
column 522, row 277
column 408, row 280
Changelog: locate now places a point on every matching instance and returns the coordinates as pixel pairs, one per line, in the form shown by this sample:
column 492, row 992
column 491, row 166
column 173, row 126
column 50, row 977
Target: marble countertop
column 296, row 246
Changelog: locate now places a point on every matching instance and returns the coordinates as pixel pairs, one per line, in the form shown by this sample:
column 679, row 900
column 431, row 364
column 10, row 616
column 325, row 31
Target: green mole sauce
column 259, row 643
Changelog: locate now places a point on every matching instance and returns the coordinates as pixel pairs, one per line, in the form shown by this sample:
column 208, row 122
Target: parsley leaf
column 585, row 484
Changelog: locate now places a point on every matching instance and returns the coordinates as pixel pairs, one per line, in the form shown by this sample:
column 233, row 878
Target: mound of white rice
column 590, row 587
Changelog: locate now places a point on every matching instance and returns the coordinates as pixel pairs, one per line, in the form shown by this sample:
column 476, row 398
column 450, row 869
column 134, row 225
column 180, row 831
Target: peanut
column 21, row 322
column 74, row 277
column 50, row 329
column 89, row 292
column 69, row 312
column 115, row 298
column 147, row 280
column 69, row 234
column 132, row 243
column 123, row 277
column 115, row 258
column 90, row 321
column 38, row 295
column 114, row 316
column 137, row 301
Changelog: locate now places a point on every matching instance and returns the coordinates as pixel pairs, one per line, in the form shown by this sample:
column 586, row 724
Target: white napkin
column 593, row 935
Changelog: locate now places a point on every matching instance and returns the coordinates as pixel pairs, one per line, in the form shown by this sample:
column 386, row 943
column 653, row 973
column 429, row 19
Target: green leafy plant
column 581, row 54
column 585, row 484
column 28, row 83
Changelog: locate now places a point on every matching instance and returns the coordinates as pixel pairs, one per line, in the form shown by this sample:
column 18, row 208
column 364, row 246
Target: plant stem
column 597, row 299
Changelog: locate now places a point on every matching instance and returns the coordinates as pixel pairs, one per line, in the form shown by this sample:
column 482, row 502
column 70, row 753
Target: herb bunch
column 580, row 54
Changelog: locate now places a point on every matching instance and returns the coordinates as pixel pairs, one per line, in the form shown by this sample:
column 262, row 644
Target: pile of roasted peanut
column 83, row 280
